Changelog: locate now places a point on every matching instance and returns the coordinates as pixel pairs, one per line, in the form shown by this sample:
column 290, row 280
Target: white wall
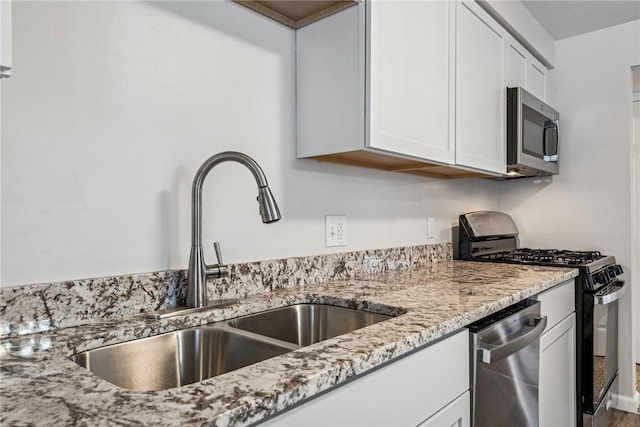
column 635, row 204
column 114, row 105
column 1, row 82
column 588, row 204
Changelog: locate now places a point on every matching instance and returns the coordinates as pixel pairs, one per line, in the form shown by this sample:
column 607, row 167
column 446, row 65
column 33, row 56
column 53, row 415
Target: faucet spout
column 198, row 269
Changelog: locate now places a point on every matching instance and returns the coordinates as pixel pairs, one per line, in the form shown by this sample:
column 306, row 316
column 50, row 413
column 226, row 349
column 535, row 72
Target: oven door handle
column 488, row 353
column 609, row 293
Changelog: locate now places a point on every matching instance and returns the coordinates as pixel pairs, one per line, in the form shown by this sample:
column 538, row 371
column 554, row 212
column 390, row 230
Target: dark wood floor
column 626, row 419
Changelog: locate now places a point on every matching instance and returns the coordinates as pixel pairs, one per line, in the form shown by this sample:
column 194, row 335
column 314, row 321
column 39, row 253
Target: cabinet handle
column 5, row 72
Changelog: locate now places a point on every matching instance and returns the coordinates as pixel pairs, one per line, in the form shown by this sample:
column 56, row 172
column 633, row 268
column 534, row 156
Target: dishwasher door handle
column 492, row 353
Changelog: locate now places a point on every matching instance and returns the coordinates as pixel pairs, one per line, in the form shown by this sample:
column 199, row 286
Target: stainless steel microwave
column 532, row 135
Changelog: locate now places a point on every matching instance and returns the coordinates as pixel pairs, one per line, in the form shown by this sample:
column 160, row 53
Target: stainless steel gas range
column 493, row 236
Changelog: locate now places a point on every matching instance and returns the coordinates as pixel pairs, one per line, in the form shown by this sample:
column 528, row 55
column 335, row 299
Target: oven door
column 601, row 343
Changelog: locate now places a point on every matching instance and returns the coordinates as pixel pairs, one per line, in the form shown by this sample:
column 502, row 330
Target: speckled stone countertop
column 39, row 385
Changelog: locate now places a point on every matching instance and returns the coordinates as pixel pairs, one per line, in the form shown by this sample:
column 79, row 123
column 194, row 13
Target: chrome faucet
column 198, row 269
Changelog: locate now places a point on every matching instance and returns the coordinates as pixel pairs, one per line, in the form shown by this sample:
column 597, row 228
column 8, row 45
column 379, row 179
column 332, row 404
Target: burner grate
column 547, row 256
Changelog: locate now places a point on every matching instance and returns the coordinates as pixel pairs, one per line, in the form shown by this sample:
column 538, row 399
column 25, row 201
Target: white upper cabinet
column 5, row 38
column 536, row 79
column 296, row 13
column 480, row 90
column 410, row 86
column 375, row 88
column 330, row 85
column 515, row 64
column 523, row 70
column 408, row 47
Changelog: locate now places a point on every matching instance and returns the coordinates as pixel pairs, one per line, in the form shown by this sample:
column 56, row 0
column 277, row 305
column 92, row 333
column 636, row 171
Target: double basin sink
column 191, row 355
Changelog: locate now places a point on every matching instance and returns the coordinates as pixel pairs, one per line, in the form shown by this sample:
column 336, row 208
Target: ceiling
column 568, row 18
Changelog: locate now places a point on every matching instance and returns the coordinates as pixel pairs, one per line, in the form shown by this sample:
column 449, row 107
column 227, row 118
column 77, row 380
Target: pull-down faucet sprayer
column 198, row 269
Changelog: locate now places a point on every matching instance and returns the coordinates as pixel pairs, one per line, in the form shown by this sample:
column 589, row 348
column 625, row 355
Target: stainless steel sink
column 305, row 324
column 178, row 358
column 192, row 355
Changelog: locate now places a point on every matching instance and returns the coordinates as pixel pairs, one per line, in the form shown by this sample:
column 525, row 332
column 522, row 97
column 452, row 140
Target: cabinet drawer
column 402, row 393
column 557, row 302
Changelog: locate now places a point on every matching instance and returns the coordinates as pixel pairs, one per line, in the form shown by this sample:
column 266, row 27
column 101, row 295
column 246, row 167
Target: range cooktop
column 547, row 256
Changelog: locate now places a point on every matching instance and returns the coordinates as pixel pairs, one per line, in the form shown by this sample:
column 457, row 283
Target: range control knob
column 601, row 277
column 608, row 274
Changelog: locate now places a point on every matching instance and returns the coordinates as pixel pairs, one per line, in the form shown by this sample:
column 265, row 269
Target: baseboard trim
column 626, row 403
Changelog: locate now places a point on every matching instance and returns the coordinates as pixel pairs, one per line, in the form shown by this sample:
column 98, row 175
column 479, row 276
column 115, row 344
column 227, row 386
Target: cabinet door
column 557, row 392
column 480, row 90
column 455, row 414
column 402, row 393
column 515, row 64
column 408, row 46
column 522, row 69
column 536, row 79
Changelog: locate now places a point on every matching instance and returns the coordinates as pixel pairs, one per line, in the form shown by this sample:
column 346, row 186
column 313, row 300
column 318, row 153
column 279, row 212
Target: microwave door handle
column 550, row 126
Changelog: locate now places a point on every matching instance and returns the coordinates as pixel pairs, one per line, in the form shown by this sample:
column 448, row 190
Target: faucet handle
column 216, row 247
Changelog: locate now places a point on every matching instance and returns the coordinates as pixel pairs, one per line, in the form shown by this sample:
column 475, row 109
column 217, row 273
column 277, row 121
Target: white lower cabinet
column 429, row 386
column 557, row 383
column 455, row 414
column 557, row 391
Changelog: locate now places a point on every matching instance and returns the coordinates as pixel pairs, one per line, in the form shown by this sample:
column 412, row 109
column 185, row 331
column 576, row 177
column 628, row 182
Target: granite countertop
column 39, row 385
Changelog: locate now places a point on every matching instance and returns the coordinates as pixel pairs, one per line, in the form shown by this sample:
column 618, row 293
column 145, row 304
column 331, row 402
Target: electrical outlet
column 431, row 227
column 335, row 230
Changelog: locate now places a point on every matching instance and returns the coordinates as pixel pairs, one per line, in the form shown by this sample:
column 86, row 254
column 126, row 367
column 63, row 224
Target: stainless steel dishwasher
column 505, row 359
